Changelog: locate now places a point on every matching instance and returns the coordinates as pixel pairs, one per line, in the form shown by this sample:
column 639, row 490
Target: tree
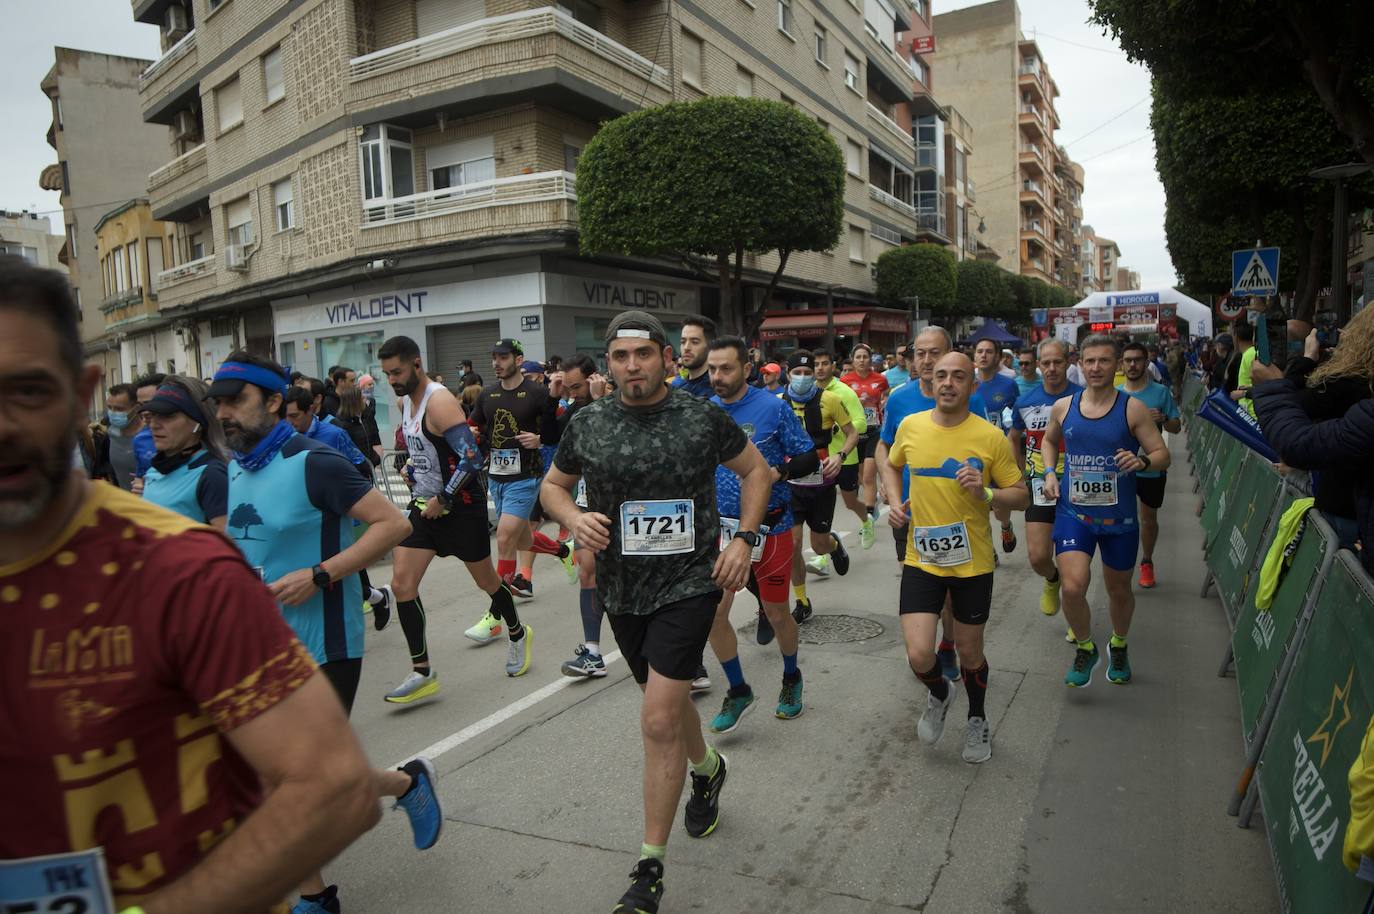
column 245, row 516
column 925, row 271
column 984, row 288
column 719, row 178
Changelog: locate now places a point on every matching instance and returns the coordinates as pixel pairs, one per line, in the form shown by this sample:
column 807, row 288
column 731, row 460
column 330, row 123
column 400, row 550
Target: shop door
column 452, row 343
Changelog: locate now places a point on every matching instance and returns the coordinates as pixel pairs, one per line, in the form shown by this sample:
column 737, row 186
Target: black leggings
column 343, row 675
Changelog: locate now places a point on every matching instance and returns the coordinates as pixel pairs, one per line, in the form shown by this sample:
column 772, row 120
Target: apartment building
column 340, row 171
column 104, row 154
column 29, row 235
column 133, row 249
column 1108, row 258
column 1126, row 279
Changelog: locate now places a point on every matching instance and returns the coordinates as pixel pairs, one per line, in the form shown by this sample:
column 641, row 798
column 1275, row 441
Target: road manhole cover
column 827, row 629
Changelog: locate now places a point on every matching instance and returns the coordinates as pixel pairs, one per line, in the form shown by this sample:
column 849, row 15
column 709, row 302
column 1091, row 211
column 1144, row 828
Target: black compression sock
column 934, row 680
column 976, row 685
column 503, row 607
column 412, row 616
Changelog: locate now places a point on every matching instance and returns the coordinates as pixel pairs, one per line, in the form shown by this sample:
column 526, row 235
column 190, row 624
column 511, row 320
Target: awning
column 808, row 323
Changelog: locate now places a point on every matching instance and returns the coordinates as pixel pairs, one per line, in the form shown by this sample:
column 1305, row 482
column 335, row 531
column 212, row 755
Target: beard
column 54, row 475
column 407, row 388
column 243, row 438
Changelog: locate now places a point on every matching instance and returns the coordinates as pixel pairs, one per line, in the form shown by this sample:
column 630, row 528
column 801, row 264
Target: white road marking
column 472, row 731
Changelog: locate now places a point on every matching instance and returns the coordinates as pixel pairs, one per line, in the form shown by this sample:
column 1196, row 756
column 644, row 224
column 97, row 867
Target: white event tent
column 1198, row 315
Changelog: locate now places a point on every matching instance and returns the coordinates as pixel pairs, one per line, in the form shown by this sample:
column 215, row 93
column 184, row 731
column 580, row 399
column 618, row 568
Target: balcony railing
column 186, row 271
column 532, row 188
column 122, row 300
column 1030, row 69
column 893, row 129
column 510, row 27
column 901, row 206
column 174, row 53
column 189, row 160
column 931, row 222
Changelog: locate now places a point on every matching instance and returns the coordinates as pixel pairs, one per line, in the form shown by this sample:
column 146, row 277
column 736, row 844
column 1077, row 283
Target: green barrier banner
column 1261, row 639
column 1317, row 734
column 1250, row 501
column 1219, row 470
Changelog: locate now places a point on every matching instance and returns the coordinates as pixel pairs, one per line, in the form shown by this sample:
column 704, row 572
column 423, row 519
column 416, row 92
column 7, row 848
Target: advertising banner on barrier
column 1227, row 415
column 1252, row 494
column 1222, row 466
column 1316, row 736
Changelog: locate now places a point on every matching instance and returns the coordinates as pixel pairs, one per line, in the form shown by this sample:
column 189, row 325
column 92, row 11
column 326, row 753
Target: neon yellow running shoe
column 1049, row 597
column 866, row 534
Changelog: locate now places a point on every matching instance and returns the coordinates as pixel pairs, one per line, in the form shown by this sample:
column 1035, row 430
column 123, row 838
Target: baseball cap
column 506, row 345
column 531, row 367
column 773, row 368
column 636, row 324
column 1224, row 339
column 170, row 400
column 231, row 376
column 800, row 359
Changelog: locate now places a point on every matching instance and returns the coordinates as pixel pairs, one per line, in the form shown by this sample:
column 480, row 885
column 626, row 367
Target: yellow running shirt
column 950, row 534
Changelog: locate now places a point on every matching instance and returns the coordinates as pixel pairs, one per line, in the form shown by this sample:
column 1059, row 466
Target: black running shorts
column 1041, row 514
column 1150, row 490
column 849, row 477
column 343, row 675
column 462, row 532
column 868, row 446
column 813, row 506
column 923, row 592
column 670, row 640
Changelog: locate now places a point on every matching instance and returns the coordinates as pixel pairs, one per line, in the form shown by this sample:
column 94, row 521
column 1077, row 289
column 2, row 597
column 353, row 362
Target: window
column 880, row 19
column 19, row 250
column 920, row 6
column 229, row 105
column 57, row 110
column 71, row 239
column 238, row 219
column 272, row 79
column 785, row 17
column 959, row 226
column 692, row 53
column 121, row 275
column 465, row 162
column 853, row 159
column 572, row 151
column 66, row 180
column 196, row 244
column 851, row 71
column 918, row 70
column 387, row 167
column 583, row 11
column 820, row 45
column 216, row 4
column 135, row 276
column 856, row 244
column 744, row 83
column 283, row 204
column 960, row 158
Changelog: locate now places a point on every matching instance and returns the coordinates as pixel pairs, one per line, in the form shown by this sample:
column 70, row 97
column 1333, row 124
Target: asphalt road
column 1107, row 799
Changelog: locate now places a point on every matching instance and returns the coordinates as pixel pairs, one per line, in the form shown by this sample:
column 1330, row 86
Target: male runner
column 900, row 370
column 652, row 522
column 1029, row 419
column 918, row 396
column 1100, row 431
column 516, row 414
column 848, row 480
column 151, row 682
column 871, row 389
column 999, row 392
column 959, row 465
column 779, row 437
column 1028, row 377
column 448, row 516
column 539, row 543
column 813, row 495
column 1149, row 486
column 697, row 333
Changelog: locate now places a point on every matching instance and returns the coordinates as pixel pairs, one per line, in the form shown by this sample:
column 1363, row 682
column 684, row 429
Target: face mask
column 117, row 419
column 801, row 385
column 368, row 394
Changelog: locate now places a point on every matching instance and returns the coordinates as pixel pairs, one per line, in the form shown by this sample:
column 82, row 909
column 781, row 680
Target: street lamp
column 1340, row 298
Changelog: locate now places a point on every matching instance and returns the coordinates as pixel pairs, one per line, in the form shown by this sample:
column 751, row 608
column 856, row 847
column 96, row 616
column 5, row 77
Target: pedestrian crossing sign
column 1255, row 271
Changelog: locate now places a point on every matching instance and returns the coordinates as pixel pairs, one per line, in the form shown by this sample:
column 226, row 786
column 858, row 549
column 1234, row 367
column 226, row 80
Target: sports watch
column 321, row 577
column 750, row 537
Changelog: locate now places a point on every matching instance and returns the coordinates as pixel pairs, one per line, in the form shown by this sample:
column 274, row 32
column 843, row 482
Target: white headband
column 632, row 334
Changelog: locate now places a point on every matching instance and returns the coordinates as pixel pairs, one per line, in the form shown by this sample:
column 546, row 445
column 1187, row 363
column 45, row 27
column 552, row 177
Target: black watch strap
column 750, row 537
column 321, row 577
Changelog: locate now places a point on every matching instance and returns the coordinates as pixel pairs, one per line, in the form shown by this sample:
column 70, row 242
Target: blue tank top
column 197, row 488
column 1093, row 490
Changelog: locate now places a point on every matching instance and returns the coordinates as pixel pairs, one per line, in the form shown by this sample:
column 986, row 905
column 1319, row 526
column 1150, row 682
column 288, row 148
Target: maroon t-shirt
column 128, row 649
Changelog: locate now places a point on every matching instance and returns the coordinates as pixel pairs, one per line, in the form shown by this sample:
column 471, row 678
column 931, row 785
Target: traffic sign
column 923, row 44
column 1229, row 307
column 1255, row 271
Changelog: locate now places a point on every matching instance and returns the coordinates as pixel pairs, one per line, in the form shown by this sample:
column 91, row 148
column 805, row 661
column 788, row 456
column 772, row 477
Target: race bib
column 505, row 461
column 811, row 479
column 581, row 498
column 1038, row 498
column 943, row 546
column 1092, row 488
column 74, row 883
column 418, row 459
column 871, row 416
column 660, row 527
column 729, row 526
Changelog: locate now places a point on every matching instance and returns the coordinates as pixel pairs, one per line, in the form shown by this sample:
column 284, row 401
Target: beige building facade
column 30, row 236
column 133, row 249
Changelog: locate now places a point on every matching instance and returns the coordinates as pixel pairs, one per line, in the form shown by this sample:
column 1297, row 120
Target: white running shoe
column 932, row 722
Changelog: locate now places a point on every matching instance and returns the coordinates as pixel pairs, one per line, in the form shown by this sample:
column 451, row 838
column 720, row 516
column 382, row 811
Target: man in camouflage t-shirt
column 648, row 456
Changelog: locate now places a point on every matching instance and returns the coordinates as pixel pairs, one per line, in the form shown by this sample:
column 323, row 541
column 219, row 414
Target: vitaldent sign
column 341, row 311
column 404, row 304
column 590, row 291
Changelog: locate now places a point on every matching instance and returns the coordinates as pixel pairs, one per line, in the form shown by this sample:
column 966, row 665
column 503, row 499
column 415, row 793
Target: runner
column 189, row 474
column 1028, row 377
column 813, row 495
column 917, row 396
column 789, row 452
column 652, row 522
column 448, row 516
column 697, row 333
column 959, row 465
column 871, row 388
column 539, row 543
column 288, row 498
column 1100, row 430
column 515, row 415
column 300, row 412
column 201, row 692
column 1030, row 418
column 999, row 392
column 848, row 480
column 1149, row 486
column 899, row 371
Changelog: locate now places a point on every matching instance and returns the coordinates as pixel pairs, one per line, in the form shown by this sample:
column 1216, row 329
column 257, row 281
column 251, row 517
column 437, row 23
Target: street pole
column 830, row 318
column 1340, row 298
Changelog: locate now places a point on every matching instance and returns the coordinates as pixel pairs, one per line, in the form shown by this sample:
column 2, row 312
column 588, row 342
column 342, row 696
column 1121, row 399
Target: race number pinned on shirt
column 729, row 526
column 945, row 546
column 659, row 527
column 871, row 416
column 505, row 461
column 74, row 883
column 581, row 498
column 1092, row 488
column 1038, row 498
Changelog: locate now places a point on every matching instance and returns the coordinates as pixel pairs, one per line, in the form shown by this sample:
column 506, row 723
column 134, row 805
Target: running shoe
column 1049, row 597
column 866, row 534
column 646, row 888
column 381, row 609
column 421, row 802
column 977, row 741
column 1147, row 575
column 584, row 664
column 703, row 806
column 802, row 612
column 1118, row 665
column 737, row 702
column 487, row 629
column 329, row 904
column 1069, row 637
column 701, row 682
column 949, row 663
column 569, row 566
column 518, row 653
column 414, row 687
column 1080, row 675
column 932, row 722
column 790, row 698
column 521, row 586
column 819, row 566
column 1008, row 539
column 764, row 633
column 840, row 556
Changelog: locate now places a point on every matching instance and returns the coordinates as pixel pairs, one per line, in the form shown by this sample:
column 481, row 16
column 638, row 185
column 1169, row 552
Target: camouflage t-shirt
column 652, row 471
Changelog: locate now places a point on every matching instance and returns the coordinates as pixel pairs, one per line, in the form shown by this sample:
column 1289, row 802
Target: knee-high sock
column 412, row 616
column 542, row 545
column 591, row 614
column 503, row 607
column 366, row 582
column 976, row 685
column 934, row 680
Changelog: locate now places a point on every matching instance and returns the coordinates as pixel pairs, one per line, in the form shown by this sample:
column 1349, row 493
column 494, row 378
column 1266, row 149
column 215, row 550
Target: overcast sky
column 1123, row 199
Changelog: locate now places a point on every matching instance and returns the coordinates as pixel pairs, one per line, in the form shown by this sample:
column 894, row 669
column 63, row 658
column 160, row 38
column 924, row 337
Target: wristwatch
column 750, row 537
column 1145, row 459
column 321, row 577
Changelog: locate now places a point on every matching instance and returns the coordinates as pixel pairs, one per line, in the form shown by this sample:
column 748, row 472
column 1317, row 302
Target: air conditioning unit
column 174, row 22
column 236, row 258
column 185, row 126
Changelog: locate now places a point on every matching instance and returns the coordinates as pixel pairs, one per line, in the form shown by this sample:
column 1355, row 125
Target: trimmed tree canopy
column 927, row 271
column 984, row 289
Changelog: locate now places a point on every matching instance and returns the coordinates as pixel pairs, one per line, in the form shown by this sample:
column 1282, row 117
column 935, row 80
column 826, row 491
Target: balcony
column 885, row 198
column 123, row 299
column 1031, row 117
column 891, row 130
column 169, row 81
column 482, row 63
column 931, row 223
column 185, row 283
column 179, row 185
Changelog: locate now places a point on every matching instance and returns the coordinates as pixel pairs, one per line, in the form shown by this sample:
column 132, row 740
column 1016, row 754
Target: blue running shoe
column 1080, row 675
column 421, row 802
column 949, row 664
column 328, row 903
column 737, row 701
column 790, row 698
column 764, row 634
column 1118, row 665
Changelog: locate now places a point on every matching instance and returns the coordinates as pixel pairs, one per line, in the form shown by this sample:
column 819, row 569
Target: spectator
column 367, row 387
column 1075, row 371
column 467, row 376
column 553, row 363
column 1221, row 358
column 351, row 418
column 1238, row 371
column 329, row 403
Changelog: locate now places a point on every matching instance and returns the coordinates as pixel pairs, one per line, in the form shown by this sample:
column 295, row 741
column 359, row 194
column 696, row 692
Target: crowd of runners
column 166, row 627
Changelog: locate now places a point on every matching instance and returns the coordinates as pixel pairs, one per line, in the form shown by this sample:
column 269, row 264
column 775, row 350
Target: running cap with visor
column 800, row 359
column 508, row 345
column 170, row 400
column 639, row 325
column 772, row 368
column 231, row 377
column 532, row 367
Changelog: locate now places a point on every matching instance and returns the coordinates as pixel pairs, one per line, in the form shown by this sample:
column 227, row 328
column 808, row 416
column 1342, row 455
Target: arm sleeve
column 332, row 483
column 1308, row 445
column 212, row 491
column 802, row 465
column 566, row 458
column 730, row 437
